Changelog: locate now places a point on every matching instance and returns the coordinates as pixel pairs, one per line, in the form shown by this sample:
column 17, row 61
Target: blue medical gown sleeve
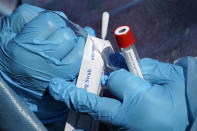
column 189, row 65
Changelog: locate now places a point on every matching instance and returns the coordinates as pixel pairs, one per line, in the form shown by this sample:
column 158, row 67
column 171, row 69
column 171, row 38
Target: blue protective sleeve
column 189, row 65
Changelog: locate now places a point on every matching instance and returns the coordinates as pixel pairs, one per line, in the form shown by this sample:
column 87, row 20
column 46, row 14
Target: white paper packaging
column 91, row 71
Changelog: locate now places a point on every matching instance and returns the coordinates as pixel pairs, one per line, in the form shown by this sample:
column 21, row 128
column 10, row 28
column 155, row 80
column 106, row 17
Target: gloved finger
column 22, row 15
column 124, row 84
column 104, row 80
column 159, row 73
column 90, row 31
column 79, row 99
column 40, row 28
column 117, row 61
column 76, row 54
column 66, row 41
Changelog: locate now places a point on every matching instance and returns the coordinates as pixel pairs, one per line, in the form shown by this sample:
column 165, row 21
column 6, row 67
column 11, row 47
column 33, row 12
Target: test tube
column 126, row 40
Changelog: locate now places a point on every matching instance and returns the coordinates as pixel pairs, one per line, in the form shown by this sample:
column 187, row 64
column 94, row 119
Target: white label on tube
column 132, row 61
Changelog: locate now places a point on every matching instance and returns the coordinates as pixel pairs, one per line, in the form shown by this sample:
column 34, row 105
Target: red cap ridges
column 124, row 36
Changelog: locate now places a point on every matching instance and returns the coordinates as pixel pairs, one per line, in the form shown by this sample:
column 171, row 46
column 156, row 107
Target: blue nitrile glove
column 154, row 104
column 37, row 45
column 90, row 31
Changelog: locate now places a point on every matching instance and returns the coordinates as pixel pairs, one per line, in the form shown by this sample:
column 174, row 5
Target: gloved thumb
column 124, row 84
column 159, row 73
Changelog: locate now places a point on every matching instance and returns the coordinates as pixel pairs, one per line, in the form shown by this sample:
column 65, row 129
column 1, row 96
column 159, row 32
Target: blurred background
column 164, row 29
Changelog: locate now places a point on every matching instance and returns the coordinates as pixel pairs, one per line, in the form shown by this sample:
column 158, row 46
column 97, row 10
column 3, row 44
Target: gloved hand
column 156, row 103
column 37, row 45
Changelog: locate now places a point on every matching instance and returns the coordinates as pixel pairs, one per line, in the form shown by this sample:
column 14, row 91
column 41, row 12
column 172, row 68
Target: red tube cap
column 124, row 36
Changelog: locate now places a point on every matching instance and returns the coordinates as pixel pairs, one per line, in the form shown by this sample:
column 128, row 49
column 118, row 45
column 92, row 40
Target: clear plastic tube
column 132, row 58
column 126, row 40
